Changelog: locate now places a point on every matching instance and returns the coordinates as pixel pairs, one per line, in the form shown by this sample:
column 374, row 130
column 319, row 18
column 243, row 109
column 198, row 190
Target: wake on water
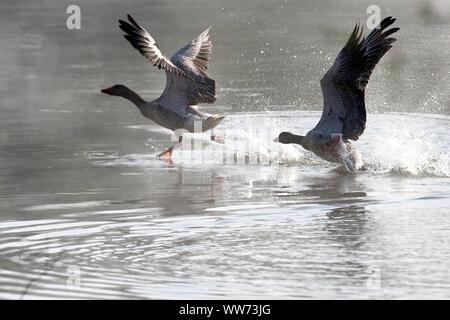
column 394, row 143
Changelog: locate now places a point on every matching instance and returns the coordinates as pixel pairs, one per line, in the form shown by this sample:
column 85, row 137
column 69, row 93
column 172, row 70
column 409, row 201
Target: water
column 88, row 212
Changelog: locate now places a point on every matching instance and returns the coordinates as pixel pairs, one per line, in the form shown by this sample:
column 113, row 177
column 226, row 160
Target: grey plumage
column 187, row 84
column 187, row 80
column 343, row 86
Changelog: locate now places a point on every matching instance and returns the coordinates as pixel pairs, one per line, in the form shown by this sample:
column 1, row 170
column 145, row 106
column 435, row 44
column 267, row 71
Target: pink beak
column 107, row 90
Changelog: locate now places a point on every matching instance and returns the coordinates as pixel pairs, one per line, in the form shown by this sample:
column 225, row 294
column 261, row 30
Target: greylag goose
column 187, row 84
column 344, row 114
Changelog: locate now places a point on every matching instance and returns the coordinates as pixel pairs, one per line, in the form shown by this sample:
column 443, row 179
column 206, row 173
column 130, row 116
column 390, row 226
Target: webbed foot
column 166, row 154
column 218, row 139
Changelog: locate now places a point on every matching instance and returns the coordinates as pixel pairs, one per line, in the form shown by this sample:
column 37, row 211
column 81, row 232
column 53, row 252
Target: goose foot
column 167, row 153
column 336, row 145
column 218, row 139
column 352, row 161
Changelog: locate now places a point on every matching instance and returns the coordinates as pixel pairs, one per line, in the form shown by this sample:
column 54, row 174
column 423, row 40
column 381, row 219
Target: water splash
column 396, row 144
column 414, row 145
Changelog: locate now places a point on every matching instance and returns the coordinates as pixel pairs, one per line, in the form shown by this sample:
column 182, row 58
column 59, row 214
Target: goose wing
column 344, row 84
column 187, row 82
column 196, row 54
column 194, row 59
column 142, row 41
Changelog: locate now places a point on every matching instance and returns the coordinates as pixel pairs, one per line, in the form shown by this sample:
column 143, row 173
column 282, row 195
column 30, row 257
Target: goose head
column 117, row 90
column 287, row 137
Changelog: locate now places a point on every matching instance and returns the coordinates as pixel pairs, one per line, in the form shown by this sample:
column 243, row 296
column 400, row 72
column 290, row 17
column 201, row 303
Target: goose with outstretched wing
column 187, row 84
column 343, row 86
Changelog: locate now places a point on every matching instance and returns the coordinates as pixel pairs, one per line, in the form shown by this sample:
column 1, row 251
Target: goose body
column 189, row 118
column 187, row 82
column 343, row 86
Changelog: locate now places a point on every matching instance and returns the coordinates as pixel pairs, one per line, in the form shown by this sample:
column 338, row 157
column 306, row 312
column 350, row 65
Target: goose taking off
column 187, row 83
column 344, row 112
